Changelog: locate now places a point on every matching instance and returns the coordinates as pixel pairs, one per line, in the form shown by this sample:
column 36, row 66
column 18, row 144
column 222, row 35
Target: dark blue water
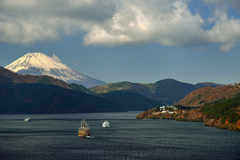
column 55, row 137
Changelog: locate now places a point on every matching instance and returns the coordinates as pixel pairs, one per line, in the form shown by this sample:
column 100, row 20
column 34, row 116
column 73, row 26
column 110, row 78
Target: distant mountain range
column 122, row 96
column 9, row 76
column 40, row 98
column 132, row 101
column 124, row 101
column 45, row 94
column 41, row 64
column 167, row 91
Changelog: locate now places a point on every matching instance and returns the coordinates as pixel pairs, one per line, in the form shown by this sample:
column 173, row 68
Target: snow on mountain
column 41, row 64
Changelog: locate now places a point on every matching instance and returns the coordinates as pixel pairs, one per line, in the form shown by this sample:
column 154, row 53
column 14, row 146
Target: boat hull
column 27, row 120
column 83, row 133
column 105, row 125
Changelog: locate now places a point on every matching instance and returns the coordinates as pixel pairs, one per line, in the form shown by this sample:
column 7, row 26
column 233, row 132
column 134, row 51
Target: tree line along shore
column 222, row 113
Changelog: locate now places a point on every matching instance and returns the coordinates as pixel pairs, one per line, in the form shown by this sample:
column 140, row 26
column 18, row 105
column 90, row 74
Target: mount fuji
column 41, row 64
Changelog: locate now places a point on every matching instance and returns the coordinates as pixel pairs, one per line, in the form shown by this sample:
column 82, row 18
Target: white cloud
column 28, row 21
column 226, row 30
column 167, row 22
column 56, row 58
column 117, row 22
column 226, row 47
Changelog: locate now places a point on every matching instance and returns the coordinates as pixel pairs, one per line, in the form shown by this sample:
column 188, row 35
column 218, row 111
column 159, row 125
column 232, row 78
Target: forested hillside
column 224, row 110
column 41, row 98
column 9, row 76
column 222, row 113
column 208, row 94
column 168, row 91
column 132, row 101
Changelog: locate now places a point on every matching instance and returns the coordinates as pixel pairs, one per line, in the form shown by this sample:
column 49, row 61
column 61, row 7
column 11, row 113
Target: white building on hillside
column 165, row 109
column 162, row 108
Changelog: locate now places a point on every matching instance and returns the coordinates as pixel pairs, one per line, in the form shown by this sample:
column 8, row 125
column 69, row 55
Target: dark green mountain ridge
column 9, row 76
column 45, row 94
column 167, row 91
column 134, row 96
column 41, row 98
column 132, row 101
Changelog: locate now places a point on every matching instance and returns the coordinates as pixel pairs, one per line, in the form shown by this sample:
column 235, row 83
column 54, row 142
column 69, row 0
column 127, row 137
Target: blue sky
column 121, row 40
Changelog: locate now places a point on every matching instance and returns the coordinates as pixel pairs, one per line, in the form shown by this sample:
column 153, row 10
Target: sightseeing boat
column 106, row 124
column 84, row 131
column 27, row 120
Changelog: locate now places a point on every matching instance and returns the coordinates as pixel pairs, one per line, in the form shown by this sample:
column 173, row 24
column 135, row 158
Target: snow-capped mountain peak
column 41, row 64
column 38, row 60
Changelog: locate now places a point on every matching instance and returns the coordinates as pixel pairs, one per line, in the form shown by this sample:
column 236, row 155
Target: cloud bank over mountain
column 113, row 23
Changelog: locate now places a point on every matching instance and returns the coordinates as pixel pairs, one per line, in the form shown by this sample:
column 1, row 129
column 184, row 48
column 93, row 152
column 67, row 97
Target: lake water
column 54, row 136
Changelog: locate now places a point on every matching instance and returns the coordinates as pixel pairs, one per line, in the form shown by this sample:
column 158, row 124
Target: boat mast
column 81, row 125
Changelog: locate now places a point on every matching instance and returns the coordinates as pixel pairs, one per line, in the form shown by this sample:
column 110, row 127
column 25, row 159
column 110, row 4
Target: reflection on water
column 55, row 137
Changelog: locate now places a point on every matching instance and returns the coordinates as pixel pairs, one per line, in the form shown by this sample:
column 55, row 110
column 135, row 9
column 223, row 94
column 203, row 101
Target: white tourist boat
column 27, row 120
column 106, row 124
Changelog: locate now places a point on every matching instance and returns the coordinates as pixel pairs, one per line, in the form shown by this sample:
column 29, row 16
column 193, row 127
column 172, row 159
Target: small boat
column 27, row 120
column 106, row 124
column 84, row 131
